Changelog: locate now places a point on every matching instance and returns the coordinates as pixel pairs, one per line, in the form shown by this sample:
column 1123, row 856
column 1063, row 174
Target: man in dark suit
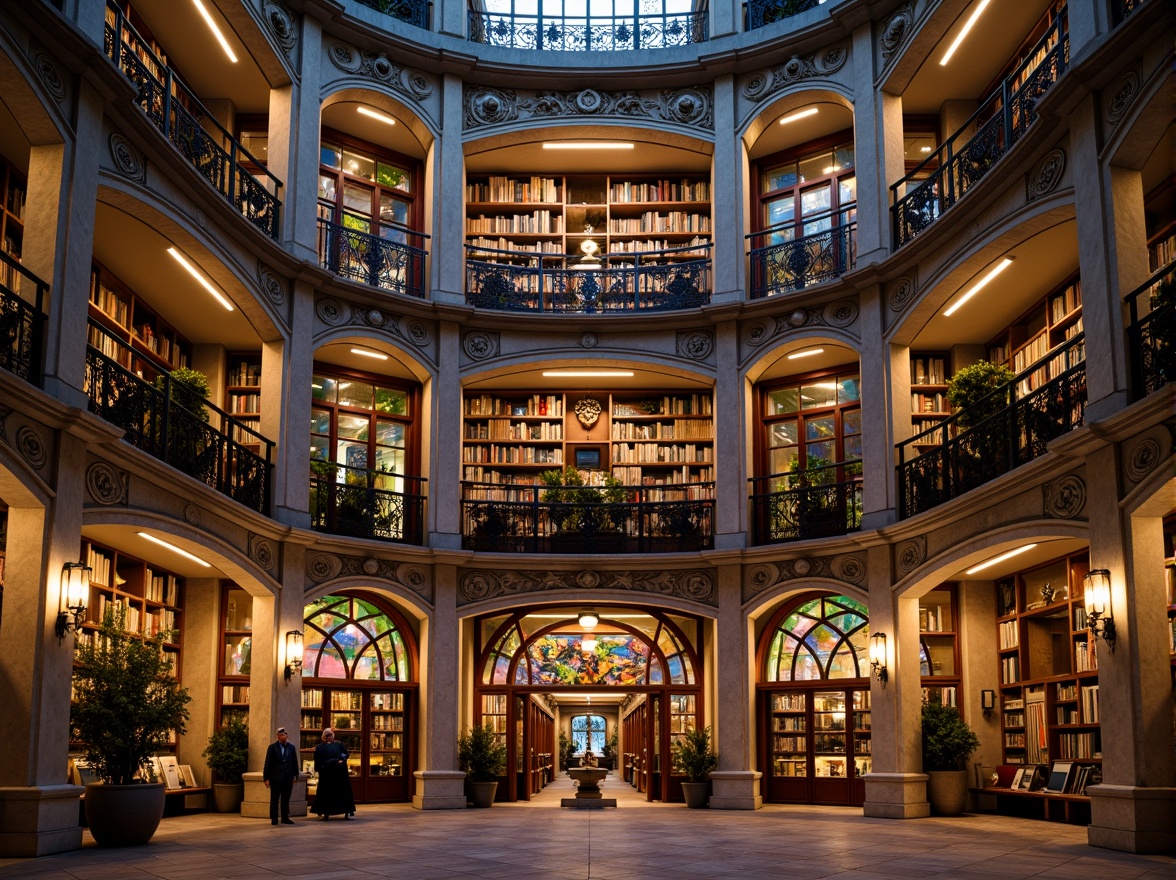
column 279, row 773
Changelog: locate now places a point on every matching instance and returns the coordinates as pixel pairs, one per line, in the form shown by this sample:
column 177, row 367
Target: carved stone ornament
column 371, row 566
column 331, row 311
column 106, row 484
column 692, row 107
column 902, row 292
column 191, row 514
column 47, row 71
column 849, row 568
column 765, row 82
column 480, row 344
column 895, row 30
column 1122, row 96
column 910, row 554
column 322, row 567
column 589, row 340
column 696, row 585
column 1065, row 497
column 1142, row 459
column 261, row 551
column 282, row 25
column 31, row 447
column 127, row 160
column 1045, row 178
column 841, row 313
column 588, row 411
column 270, row 285
column 696, row 345
column 411, row 83
column 757, row 333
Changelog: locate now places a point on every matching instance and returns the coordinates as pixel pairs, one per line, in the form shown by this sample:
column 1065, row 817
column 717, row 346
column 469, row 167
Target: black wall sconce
column 1097, row 596
column 987, row 701
column 878, row 657
column 71, row 603
column 293, row 653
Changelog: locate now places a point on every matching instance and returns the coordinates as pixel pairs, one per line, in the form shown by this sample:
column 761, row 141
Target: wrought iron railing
column 167, row 419
column 820, row 502
column 1152, row 333
column 618, row 283
column 627, row 519
column 361, row 503
column 782, row 266
column 414, row 12
column 654, row 27
column 178, row 114
column 22, row 320
column 1122, row 9
column 1009, row 428
column 761, row 12
column 373, row 260
column 958, row 164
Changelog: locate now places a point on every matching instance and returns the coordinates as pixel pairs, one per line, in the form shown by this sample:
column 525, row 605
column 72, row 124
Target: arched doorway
column 814, row 701
column 536, row 666
column 359, row 677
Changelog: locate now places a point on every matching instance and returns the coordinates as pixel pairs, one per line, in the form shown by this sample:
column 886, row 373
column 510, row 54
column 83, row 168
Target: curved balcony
column 821, row 502
column 180, row 117
column 945, row 176
column 361, row 503
column 561, row 27
column 586, row 519
column 757, row 13
column 1019, row 419
column 655, row 281
column 414, row 12
column 1152, row 333
column 385, row 261
column 781, row 264
column 22, row 320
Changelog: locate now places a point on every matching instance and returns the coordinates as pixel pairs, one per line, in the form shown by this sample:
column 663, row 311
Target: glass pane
column 853, row 447
column 818, row 429
column 329, row 155
column 818, row 394
column 390, row 433
column 393, row 177
column 849, row 389
column 816, row 200
column 392, row 461
column 357, row 394
column 778, row 178
column 320, row 421
column 816, row 167
column 353, row 427
column 851, row 421
column 843, row 156
column 779, row 211
column 326, row 190
column 847, row 192
column 354, row 455
column 782, row 434
column 784, row 401
column 783, row 460
column 359, row 166
column 357, row 200
column 391, row 401
column 393, row 210
column 819, row 454
column 323, row 389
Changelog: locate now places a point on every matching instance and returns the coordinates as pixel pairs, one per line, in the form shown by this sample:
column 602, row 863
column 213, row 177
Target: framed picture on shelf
column 1017, row 780
column 188, row 776
column 1059, row 776
column 171, row 772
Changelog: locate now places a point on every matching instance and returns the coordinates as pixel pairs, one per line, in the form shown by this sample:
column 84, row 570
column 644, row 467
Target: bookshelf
column 1051, row 321
column 1169, row 575
column 494, row 715
column 243, row 394
column 119, row 315
column 1048, row 666
column 622, row 214
column 929, row 377
column 938, row 645
column 236, row 637
column 1159, row 211
column 643, row 439
column 13, row 191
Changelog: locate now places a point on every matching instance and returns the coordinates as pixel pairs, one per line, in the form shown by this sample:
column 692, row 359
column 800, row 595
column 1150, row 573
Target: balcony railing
column 22, row 320
column 1040, row 404
column 821, row 502
column 526, row 519
column 1152, row 333
column 944, row 177
column 414, row 12
column 373, row 260
column 761, row 12
column 617, row 284
column 167, row 419
column 182, row 119
column 1122, row 9
column 782, row 266
column 361, row 503
column 656, row 26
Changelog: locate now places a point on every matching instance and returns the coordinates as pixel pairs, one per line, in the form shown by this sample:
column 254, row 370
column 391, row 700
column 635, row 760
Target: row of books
column 506, row 244
column 1010, row 669
column 162, row 588
column 680, row 429
column 1085, row 656
column 506, row 189
column 99, row 564
column 535, row 223
column 635, row 476
column 931, row 619
column 502, row 429
column 1064, row 302
column 535, row 405
column 110, row 302
column 648, row 246
column 245, row 374
column 244, row 403
column 1088, row 698
column 661, row 191
column 927, row 371
column 936, row 402
column 944, row 696
column 499, row 454
column 386, row 741
column 1079, row 745
column 235, row 693
column 638, row 453
column 652, row 221
column 1009, row 634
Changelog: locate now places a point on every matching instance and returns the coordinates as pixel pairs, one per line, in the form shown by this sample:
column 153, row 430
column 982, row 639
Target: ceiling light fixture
column 204, row 282
column 924, row 149
column 587, row 145
column 370, row 354
column 975, row 289
column 588, row 619
column 955, row 44
column 174, row 549
column 375, row 114
column 999, row 559
column 584, row 374
column 808, row 352
column 216, row 31
column 799, row 114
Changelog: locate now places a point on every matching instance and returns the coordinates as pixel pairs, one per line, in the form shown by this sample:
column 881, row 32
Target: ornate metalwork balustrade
column 361, row 503
column 1152, row 333
column 22, row 320
column 1040, row 404
column 178, row 114
column 1122, row 9
column 617, row 284
column 650, row 28
column 373, row 260
column 783, row 266
column 944, row 177
column 414, row 12
column 817, row 503
column 651, row 519
column 167, row 419
column 761, row 12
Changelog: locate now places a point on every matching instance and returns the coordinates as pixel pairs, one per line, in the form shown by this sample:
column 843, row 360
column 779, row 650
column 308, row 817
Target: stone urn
column 947, row 791
column 588, row 780
column 124, row 815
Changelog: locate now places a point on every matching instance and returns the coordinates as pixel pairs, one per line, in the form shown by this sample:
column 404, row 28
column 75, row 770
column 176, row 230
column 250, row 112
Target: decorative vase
column 482, row 793
column 947, row 791
column 124, row 815
column 696, row 794
column 227, row 796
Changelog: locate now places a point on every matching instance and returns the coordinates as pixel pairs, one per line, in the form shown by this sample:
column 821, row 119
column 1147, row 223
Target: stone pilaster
column 440, row 785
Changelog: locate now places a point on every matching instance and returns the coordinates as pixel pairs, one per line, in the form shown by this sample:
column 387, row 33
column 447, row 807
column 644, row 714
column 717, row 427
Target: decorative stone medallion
column 692, row 106
column 1065, row 497
column 589, row 340
column 127, row 161
column 31, row 447
column 795, row 69
column 261, row 550
column 322, row 567
column 588, row 411
column 106, row 484
column 910, row 554
column 270, row 285
column 1122, row 96
column 895, row 30
column 282, row 26
column 191, row 514
column 46, row 70
column 411, row 83
column 330, row 311
column 849, row 568
column 1045, row 178
column 1142, row 459
column 480, row 344
column 902, row 292
column 695, row 344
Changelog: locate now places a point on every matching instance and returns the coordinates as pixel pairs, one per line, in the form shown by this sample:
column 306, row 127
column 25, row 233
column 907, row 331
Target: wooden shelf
column 119, row 315
column 13, row 191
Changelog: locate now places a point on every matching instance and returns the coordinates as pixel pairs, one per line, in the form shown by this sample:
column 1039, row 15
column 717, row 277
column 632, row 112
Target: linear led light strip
column 199, row 277
column 999, row 559
column 587, row 145
column 975, row 289
column 174, row 549
column 375, row 114
column 216, row 31
column 585, row 374
column 955, row 44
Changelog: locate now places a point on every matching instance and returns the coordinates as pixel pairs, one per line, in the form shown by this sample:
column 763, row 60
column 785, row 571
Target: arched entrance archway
column 530, row 660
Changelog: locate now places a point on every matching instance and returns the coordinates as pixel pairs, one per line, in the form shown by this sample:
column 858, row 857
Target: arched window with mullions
column 349, row 637
column 588, row 733
column 823, row 638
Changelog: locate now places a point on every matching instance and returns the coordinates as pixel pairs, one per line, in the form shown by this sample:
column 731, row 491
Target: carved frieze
column 261, row 551
column 902, row 291
column 335, row 313
column 697, row 585
column 849, row 568
column 895, row 30
column 323, row 567
column 909, row 555
column 271, row 285
column 282, row 25
column 1120, row 97
column 412, row 84
column 692, row 107
column 765, row 82
column 1064, row 498
column 840, row 314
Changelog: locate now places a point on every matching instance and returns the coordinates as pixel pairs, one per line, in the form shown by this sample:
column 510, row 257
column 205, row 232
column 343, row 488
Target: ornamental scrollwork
column 480, row 345
column 1143, row 458
column 52, row 80
column 695, row 585
column 696, row 345
column 1122, row 96
column 127, row 160
column 841, row 313
column 849, row 568
column 1065, row 497
column 322, row 567
column 31, row 447
column 330, row 311
column 910, row 555
column 902, row 292
column 411, row 83
column 692, row 106
column 270, row 285
column 796, row 68
column 282, row 26
column 261, row 551
column 895, row 30
column 589, row 340
column 106, row 484
column 1045, row 178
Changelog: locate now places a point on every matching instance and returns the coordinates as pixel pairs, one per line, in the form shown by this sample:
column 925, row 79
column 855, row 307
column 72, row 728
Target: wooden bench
column 175, row 801
column 1071, row 808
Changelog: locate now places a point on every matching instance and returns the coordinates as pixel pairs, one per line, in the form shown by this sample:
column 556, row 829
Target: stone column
column 448, row 273
column 449, row 17
column 736, row 784
column 730, row 417
column 878, row 366
column 444, row 441
column 287, row 369
column 728, row 197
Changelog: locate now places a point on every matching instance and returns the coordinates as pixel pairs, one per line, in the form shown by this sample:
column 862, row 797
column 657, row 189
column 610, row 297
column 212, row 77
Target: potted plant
column 948, row 742
column 970, row 392
column 126, row 708
column 580, row 512
column 482, row 755
column 694, row 757
column 227, row 755
column 564, row 750
column 189, row 389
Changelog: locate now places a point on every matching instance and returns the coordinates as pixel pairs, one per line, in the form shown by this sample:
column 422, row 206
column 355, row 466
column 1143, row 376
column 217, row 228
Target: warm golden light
column 587, row 145
column 1097, row 592
column 976, row 288
column 216, row 31
column 370, row 354
column 589, row 619
column 799, row 114
column 999, row 559
column 174, row 549
column 376, row 115
column 204, row 282
column 968, row 25
column 808, row 352
column 583, row 374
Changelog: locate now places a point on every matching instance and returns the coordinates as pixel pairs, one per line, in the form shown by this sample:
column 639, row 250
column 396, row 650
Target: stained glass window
column 352, row 639
column 821, row 639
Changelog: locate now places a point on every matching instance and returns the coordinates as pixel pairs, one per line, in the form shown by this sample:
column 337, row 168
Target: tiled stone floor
column 635, row 841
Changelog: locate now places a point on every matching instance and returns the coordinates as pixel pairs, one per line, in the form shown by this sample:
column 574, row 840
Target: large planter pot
column 227, row 796
column 947, row 791
column 123, row 815
column 482, row 793
column 696, row 794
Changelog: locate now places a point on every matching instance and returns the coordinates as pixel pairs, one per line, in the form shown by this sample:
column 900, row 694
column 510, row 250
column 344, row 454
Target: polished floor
column 636, row 841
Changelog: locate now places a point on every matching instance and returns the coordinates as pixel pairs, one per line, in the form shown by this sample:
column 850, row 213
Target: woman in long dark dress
column 334, row 782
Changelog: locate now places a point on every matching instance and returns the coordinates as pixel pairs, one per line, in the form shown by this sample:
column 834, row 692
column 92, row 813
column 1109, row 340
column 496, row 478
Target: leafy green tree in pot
column 189, row 389
column 482, row 755
column 227, row 755
column 948, row 742
column 970, row 392
column 693, row 756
